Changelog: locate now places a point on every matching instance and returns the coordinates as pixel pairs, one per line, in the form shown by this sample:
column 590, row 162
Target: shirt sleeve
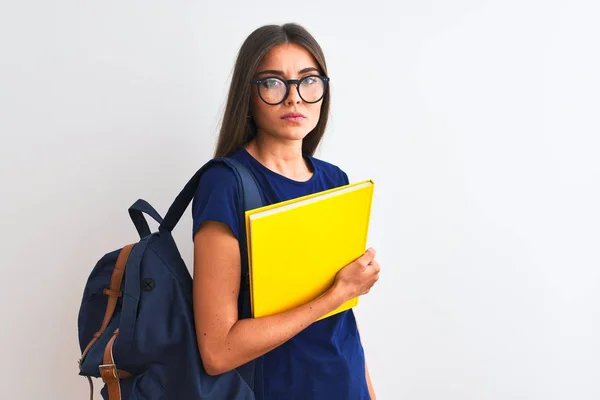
column 216, row 199
column 345, row 180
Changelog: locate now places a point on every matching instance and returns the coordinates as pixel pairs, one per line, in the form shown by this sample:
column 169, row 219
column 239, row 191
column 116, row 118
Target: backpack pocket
column 147, row 387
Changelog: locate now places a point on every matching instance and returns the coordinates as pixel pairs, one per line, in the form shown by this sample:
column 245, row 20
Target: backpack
column 136, row 322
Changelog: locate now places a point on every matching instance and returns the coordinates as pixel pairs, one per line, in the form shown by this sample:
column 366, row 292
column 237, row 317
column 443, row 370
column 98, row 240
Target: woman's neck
column 284, row 158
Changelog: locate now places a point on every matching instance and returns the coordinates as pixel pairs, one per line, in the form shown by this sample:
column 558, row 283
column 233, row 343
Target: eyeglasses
column 273, row 91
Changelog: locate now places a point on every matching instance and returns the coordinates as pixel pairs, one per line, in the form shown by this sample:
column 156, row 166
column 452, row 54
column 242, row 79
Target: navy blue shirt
column 325, row 361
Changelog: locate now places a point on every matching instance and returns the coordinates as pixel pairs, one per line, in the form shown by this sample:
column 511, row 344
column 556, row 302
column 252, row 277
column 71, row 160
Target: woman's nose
column 293, row 96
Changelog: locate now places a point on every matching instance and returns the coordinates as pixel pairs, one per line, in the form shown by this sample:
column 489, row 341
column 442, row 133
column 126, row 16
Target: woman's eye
column 309, row 81
column 271, row 83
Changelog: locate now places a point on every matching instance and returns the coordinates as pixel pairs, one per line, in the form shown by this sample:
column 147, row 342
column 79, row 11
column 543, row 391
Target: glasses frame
column 288, row 83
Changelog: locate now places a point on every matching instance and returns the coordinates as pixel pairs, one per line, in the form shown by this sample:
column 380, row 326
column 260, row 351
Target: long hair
column 237, row 126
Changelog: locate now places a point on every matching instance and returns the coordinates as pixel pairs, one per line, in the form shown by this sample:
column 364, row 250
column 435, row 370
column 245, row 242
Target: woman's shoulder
column 216, row 197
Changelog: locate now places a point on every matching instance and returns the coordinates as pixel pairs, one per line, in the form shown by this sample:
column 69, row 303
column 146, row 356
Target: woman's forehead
column 289, row 58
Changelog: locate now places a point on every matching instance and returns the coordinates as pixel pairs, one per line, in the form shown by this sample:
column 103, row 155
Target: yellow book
column 296, row 247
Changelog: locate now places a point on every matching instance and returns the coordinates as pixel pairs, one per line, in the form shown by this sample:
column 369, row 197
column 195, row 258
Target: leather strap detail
column 115, row 285
column 110, row 292
column 113, row 292
column 109, row 372
column 89, row 378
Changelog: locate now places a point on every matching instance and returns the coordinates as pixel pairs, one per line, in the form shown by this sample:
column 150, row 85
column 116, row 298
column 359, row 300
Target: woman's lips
column 293, row 117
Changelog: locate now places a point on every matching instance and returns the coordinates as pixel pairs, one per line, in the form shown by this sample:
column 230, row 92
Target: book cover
column 296, row 247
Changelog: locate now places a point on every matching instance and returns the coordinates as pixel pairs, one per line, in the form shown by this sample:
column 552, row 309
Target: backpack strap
column 249, row 197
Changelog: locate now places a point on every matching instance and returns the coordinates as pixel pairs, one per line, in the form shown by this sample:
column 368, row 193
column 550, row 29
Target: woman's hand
column 358, row 277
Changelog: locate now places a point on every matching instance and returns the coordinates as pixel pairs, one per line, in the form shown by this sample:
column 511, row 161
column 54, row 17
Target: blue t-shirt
column 325, row 361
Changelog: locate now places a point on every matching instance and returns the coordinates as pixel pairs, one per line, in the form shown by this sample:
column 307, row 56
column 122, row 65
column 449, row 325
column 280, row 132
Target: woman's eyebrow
column 280, row 73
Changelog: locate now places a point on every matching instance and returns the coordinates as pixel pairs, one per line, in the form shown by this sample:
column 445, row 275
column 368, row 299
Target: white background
column 478, row 121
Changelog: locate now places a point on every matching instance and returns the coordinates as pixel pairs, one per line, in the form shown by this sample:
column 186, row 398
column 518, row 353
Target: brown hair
column 238, row 127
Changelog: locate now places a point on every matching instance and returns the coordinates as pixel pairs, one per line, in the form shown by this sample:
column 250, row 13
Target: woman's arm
column 226, row 342
column 368, row 376
column 369, row 383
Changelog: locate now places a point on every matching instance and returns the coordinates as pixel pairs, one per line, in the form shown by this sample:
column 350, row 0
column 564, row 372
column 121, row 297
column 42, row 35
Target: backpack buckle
column 109, row 373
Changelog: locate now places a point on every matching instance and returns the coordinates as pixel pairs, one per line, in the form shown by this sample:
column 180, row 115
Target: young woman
column 275, row 117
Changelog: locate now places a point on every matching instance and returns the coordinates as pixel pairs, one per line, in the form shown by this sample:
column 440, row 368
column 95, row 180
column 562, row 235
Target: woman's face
column 294, row 118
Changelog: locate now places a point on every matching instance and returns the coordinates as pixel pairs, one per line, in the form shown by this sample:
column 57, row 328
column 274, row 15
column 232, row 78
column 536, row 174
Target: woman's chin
column 292, row 134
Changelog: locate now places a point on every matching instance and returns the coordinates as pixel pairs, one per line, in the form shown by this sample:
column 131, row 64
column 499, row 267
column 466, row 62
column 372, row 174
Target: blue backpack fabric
column 136, row 321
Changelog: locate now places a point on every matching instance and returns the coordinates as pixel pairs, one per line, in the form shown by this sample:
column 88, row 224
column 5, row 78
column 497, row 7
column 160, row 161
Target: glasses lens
column 312, row 89
column 272, row 90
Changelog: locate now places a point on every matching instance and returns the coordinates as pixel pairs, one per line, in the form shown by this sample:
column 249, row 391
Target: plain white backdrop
column 478, row 121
